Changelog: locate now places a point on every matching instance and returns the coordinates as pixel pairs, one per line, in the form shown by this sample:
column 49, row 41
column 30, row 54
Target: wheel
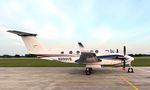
column 130, row 70
column 88, row 71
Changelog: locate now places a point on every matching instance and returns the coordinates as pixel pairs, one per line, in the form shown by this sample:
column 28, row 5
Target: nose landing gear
column 130, row 69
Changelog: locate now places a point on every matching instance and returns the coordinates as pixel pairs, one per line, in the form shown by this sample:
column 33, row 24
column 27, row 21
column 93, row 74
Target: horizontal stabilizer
column 81, row 47
column 80, row 44
column 19, row 33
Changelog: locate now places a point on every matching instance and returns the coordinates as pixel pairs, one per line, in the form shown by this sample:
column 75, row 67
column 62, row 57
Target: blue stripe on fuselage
column 108, row 56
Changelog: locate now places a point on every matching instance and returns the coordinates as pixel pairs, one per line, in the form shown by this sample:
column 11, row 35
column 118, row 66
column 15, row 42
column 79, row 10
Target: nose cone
column 130, row 58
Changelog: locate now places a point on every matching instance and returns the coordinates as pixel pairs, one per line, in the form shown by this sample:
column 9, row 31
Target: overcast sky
column 62, row 23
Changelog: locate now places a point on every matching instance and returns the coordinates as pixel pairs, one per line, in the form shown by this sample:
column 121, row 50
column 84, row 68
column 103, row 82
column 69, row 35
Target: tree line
column 16, row 55
column 138, row 55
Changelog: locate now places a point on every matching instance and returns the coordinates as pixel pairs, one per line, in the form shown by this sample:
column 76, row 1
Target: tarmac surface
column 73, row 78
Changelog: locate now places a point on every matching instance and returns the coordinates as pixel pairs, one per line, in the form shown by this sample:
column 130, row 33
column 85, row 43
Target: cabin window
column 96, row 51
column 62, row 52
column 78, row 52
column 70, row 52
column 91, row 51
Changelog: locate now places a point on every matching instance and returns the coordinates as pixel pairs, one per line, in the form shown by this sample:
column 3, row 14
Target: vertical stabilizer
column 31, row 42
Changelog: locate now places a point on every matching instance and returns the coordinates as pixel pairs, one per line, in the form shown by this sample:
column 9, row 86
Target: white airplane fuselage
column 92, row 58
column 71, row 58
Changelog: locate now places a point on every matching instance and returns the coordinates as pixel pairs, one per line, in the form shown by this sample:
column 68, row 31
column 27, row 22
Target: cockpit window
column 91, row 51
column 111, row 51
column 106, row 50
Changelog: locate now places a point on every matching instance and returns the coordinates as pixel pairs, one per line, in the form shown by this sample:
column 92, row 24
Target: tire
column 88, row 71
column 130, row 70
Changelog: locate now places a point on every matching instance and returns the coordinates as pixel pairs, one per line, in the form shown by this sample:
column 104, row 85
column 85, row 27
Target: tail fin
column 31, row 42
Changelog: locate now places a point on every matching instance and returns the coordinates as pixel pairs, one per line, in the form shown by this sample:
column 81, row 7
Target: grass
column 35, row 62
column 141, row 61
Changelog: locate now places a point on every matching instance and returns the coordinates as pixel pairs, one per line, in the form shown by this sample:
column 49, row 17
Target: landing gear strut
column 88, row 71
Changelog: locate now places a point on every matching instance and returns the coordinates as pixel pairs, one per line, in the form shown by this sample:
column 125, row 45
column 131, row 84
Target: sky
column 63, row 23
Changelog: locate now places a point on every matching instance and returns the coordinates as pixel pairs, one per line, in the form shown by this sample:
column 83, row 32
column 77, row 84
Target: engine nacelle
column 94, row 66
column 87, row 57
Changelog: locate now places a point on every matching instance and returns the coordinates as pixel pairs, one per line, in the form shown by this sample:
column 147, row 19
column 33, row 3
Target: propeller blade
column 124, row 60
column 117, row 51
column 124, row 50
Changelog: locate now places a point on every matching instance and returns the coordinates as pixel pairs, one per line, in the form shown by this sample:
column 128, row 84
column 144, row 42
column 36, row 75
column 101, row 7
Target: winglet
column 20, row 33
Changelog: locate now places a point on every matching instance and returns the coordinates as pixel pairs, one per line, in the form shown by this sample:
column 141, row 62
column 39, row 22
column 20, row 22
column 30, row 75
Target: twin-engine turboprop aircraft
column 92, row 59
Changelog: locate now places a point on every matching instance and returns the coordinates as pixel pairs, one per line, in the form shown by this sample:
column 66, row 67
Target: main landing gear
column 88, row 71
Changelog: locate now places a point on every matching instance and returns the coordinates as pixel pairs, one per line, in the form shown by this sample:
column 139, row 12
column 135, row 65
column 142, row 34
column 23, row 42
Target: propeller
column 124, row 50
column 124, row 59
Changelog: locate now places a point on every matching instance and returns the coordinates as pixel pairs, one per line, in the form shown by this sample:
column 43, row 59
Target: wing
column 86, row 57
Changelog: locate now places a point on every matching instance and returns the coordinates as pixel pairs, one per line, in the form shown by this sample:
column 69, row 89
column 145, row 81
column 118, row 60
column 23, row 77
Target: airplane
column 93, row 59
